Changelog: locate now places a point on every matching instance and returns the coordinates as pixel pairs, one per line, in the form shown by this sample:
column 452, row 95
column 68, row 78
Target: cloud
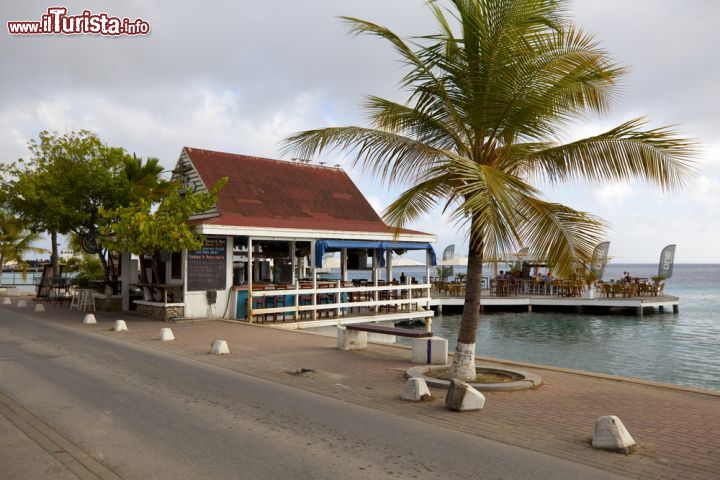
column 613, row 192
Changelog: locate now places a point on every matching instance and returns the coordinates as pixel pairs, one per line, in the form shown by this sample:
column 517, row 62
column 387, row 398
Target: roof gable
column 280, row 194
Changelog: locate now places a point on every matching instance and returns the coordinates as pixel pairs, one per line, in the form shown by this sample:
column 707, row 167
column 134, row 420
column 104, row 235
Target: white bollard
column 416, row 390
column 120, row 326
column 220, row 347
column 39, row 307
column 7, row 301
column 166, row 335
column 89, row 319
column 462, row 397
column 611, row 434
column 21, row 304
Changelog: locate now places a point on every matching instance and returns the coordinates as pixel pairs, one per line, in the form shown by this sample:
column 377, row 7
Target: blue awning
column 324, row 246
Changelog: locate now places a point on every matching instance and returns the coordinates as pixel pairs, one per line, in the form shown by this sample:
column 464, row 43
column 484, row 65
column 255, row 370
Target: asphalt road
column 148, row 414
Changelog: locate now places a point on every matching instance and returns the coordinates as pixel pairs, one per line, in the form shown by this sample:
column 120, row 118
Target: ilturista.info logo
column 56, row 21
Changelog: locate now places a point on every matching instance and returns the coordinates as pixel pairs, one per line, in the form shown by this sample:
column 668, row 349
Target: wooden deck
column 529, row 301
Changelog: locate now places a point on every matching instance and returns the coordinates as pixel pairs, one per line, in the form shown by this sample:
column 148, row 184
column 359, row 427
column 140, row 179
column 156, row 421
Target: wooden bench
column 400, row 332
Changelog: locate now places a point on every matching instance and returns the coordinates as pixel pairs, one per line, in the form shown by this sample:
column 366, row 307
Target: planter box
column 159, row 311
column 108, row 303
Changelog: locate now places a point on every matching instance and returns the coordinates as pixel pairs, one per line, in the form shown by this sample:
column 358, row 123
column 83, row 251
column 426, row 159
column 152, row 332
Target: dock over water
column 638, row 304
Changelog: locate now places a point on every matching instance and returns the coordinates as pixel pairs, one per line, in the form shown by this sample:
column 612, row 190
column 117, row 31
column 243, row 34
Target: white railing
column 341, row 299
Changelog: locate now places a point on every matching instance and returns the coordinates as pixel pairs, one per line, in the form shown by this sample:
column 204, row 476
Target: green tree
column 60, row 188
column 145, row 226
column 16, row 241
column 489, row 95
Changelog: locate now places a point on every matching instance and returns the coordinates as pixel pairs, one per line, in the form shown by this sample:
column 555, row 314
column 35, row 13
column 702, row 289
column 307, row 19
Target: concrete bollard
column 461, row 397
column 166, row 335
column 611, row 434
column 120, row 326
column 21, row 303
column 416, row 390
column 39, row 307
column 7, row 301
column 430, row 351
column 89, row 319
column 351, row 339
column 220, row 347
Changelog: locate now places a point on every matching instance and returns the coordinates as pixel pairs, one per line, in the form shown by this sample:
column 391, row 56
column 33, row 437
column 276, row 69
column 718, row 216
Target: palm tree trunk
column 55, row 257
column 463, row 365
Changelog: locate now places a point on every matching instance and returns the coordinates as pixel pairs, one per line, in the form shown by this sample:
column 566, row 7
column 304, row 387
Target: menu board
column 207, row 267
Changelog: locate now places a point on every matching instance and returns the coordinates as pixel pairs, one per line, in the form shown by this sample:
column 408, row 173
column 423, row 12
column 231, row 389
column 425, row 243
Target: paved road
column 148, row 414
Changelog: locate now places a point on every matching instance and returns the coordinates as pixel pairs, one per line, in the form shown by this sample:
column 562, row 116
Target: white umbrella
column 454, row 262
column 402, row 261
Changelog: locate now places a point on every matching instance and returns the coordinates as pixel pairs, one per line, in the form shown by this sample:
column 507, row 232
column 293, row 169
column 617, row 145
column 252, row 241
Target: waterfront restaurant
column 265, row 241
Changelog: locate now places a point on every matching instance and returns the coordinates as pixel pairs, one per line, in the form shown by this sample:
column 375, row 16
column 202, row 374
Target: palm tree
column 16, row 241
column 145, row 178
column 489, row 96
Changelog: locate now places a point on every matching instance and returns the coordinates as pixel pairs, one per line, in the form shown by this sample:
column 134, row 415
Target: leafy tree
column 66, row 179
column 16, row 241
column 146, row 227
column 489, row 94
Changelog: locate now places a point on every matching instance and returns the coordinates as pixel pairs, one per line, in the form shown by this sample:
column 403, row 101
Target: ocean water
column 26, row 284
column 681, row 348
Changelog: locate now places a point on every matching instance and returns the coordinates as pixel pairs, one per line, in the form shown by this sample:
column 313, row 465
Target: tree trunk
column 55, row 256
column 463, row 365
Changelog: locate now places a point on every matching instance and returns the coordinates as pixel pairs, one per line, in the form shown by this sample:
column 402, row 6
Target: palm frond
column 392, row 157
column 630, row 151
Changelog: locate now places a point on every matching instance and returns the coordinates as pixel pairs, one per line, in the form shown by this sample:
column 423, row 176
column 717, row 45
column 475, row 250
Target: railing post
column 250, row 280
column 409, row 282
column 297, row 300
column 375, row 279
column 314, row 292
column 338, row 299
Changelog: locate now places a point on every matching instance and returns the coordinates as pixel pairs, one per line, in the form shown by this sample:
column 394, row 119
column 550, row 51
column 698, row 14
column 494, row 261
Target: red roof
column 269, row 193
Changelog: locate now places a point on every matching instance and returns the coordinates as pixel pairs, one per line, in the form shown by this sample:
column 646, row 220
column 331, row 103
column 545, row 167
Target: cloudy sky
column 239, row 76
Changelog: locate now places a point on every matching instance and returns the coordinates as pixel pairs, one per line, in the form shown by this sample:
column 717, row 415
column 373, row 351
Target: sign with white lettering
column 207, row 267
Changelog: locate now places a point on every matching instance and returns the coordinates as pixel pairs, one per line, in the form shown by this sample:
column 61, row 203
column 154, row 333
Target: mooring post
column 661, row 308
column 640, row 311
column 676, row 308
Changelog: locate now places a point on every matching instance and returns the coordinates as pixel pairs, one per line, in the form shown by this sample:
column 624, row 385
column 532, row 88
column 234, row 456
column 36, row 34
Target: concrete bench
column 426, row 348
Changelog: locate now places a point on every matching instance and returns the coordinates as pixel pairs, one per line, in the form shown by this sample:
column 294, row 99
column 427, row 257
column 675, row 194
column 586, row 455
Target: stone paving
column 678, row 431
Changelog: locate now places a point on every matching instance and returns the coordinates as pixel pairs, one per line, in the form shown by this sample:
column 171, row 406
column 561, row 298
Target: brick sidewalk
column 678, row 431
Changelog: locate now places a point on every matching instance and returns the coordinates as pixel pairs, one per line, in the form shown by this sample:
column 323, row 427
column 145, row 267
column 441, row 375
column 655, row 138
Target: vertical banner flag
column 449, row 252
column 667, row 260
column 599, row 259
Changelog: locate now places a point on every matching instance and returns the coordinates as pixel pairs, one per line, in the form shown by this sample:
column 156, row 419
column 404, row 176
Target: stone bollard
column 462, row 397
column 7, row 301
column 39, row 307
column 430, row 351
column 166, row 335
column 89, row 319
column 21, row 303
column 611, row 434
column 120, row 326
column 219, row 347
column 416, row 390
column 351, row 339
